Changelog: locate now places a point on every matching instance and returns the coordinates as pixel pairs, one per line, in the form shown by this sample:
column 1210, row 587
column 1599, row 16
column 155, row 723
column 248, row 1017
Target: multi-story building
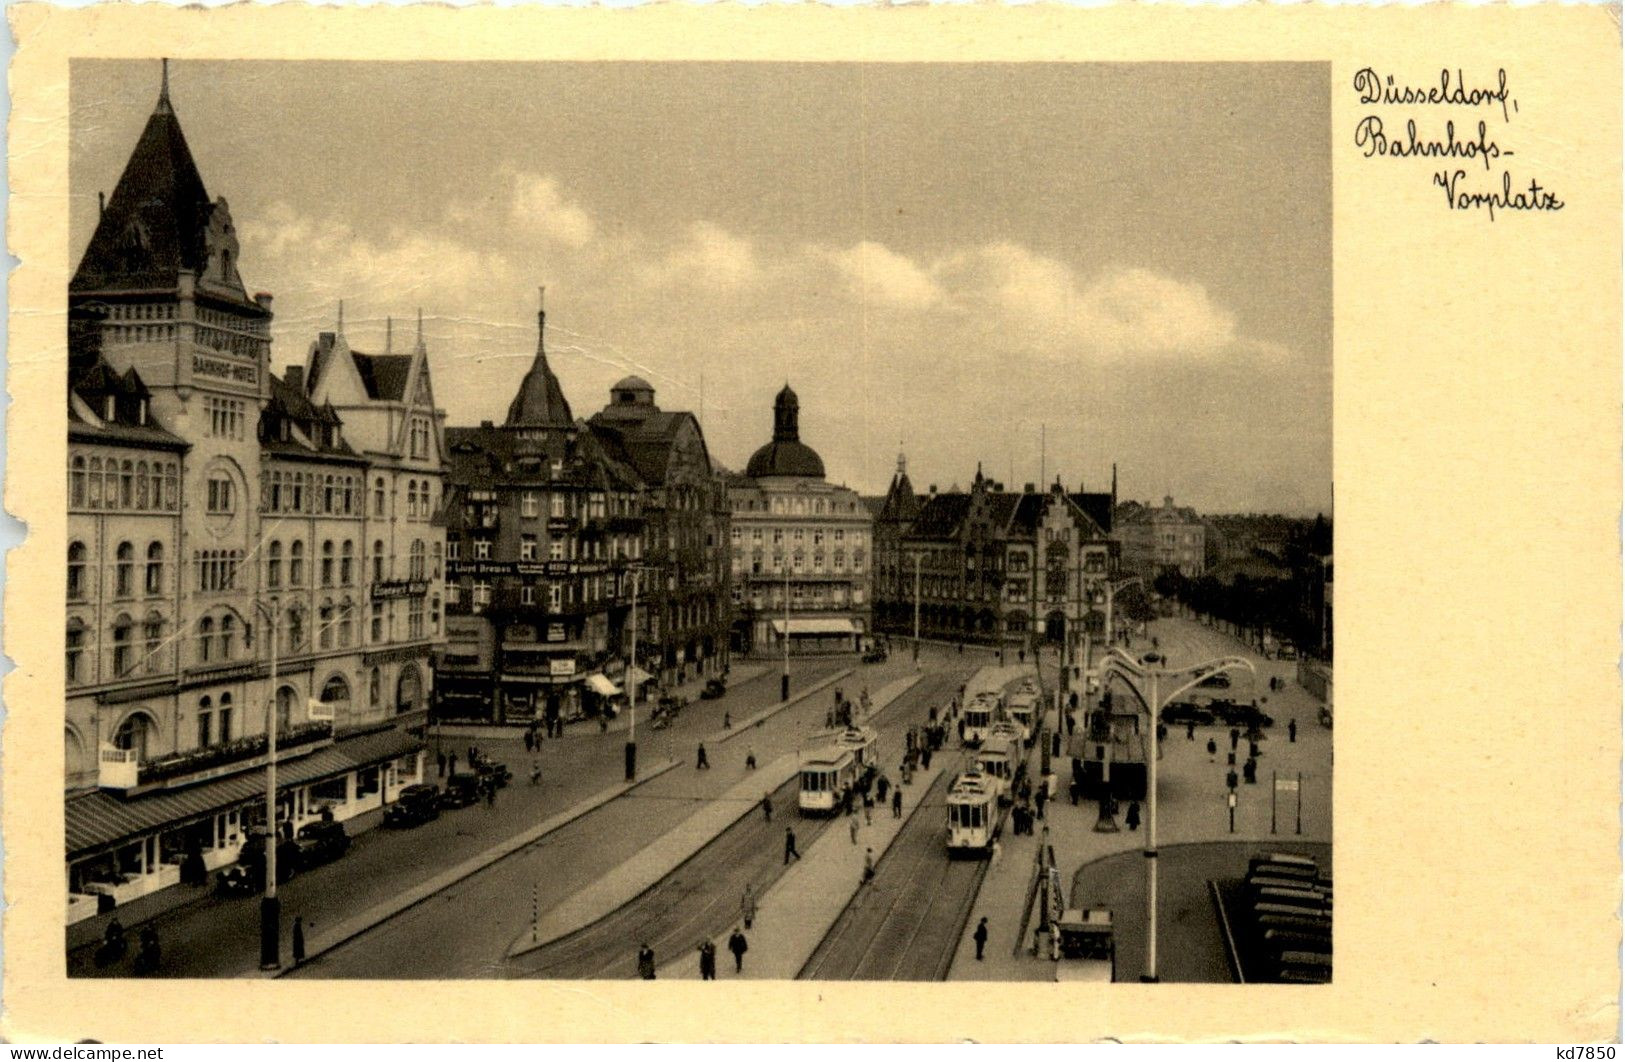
column 1155, row 540
column 543, row 531
column 211, row 507
column 685, row 614
column 800, row 548
column 991, row 565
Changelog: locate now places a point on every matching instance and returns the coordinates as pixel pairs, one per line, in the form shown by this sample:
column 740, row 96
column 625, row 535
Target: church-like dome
column 786, row 455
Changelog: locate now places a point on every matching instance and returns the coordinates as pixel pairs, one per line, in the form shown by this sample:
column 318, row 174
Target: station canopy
column 816, row 626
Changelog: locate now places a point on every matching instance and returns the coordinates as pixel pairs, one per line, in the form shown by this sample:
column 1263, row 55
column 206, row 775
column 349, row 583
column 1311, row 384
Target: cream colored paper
column 1477, row 437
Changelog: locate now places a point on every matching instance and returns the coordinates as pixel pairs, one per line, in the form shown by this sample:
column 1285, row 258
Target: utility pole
column 784, row 680
column 632, row 688
column 916, row 609
column 270, row 906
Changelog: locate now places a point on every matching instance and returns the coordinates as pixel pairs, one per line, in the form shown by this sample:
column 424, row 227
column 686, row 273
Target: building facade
column 800, row 549
column 215, row 527
column 686, row 608
column 545, row 532
column 993, row 566
column 1155, row 540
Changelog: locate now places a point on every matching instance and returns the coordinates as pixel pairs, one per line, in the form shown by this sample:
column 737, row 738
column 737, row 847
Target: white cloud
column 709, row 256
column 877, row 273
column 539, row 205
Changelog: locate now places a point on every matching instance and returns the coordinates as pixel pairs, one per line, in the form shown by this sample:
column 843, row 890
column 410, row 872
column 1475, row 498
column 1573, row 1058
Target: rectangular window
column 527, row 595
column 556, row 503
column 454, row 549
column 555, row 549
column 527, row 547
column 482, row 594
column 220, row 499
column 414, row 618
column 482, row 549
column 205, row 729
column 530, row 504
column 377, row 621
column 555, row 597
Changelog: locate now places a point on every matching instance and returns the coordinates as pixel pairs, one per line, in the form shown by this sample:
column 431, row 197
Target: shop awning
column 815, row 626
column 100, row 820
column 638, row 675
column 602, row 686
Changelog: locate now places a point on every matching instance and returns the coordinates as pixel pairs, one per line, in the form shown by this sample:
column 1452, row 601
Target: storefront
column 125, row 846
column 810, row 636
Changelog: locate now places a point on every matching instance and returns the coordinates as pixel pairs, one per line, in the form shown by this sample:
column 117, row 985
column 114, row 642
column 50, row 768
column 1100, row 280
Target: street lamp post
column 1152, row 674
column 916, row 609
column 784, row 679
column 632, row 688
column 270, row 906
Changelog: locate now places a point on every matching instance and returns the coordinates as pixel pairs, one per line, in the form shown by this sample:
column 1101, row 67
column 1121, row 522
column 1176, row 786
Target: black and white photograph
column 714, row 520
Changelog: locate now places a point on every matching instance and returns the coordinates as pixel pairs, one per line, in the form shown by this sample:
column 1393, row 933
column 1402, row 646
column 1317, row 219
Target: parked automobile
column 416, row 804
column 714, row 688
column 251, row 858
column 321, row 842
column 1244, row 716
column 493, row 771
column 461, row 791
column 877, row 655
column 1221, row 681
column 1181, row 713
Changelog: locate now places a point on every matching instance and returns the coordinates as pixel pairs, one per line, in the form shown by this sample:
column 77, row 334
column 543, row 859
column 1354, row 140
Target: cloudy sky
column 1133, row 260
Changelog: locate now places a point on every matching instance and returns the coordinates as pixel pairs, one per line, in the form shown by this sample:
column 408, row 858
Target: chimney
column 486, row 424
column 933, row 488
column 1026, row 488
column 294, row 377
column 262, row 299
column 101, row 203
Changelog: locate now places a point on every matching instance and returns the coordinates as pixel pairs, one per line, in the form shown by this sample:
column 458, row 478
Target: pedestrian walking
column 646, row 962
column 535, row 772
column 767, row 808
column 852, row 828
column 1292, row 730
column 790, row 845
column 747, row 905
column 298, row 939
column 882, row 784
column 1230, row 779
column 441, row 757
column 980, row 937
column 727, row 721
column 1043, row 797
column 708, row 961
column 868, row 865
column 896, row 803
column 868, row 810
column 530, row 742
column 1235, row 738
column 1212, row 749
column 750, row 759
column 738, row 945
column 702, row 763
column 1132, row 818
column 925, row 757
column 1190, row 731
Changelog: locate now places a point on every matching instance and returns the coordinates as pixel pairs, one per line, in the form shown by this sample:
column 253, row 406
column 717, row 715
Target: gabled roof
column 646, row 442
column 941, row 515
column 384, row 375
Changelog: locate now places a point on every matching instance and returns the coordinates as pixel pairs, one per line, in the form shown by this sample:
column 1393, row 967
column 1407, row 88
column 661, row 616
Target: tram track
column 701, row 898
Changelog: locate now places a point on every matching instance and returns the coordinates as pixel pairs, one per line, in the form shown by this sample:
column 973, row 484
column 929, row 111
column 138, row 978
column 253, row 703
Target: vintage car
column 877, row 655
column 321, row 842
column 493, row 772
column 461, row 791
column 1181, row 713
column 1221, row 681
column 252, row 859
column 416, row 804
column 714, row 688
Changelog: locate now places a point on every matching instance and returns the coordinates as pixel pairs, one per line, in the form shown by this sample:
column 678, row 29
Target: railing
column 195, row 761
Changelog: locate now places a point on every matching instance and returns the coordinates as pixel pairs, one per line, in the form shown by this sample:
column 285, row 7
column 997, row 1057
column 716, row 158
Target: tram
column 860, row 741
column 978, row 717
column 1023, row 712
column 973, row 815
column 998, row 759
column 826, row 777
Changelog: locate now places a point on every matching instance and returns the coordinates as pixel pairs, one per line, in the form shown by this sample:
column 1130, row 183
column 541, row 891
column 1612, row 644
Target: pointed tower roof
column 901, row 504
column 540, row 402
column 157, row 221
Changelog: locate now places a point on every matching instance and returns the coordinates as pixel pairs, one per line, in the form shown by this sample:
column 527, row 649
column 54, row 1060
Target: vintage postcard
column 543, row 501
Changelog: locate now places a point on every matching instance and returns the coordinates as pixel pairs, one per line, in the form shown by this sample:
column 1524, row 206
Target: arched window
column 329, row 497
column 76, row 482
column 228, row 629
column 205, row 722
column 122, row 659
column 76, row 651
column 336, row 693
column 225, row 718
column 378, row 561
column 152, row 631
column 134, row 734
column 155, row 568
column 378, row 497
column 273, row 565
column 205, row 639
column 95, row 482
column 76, row 571
column 347, row 564
column 418, row 559
column 408, row 689
column 327, row 563
column 296, row 564
column 171, row 485
column 124, row 570
column 285, row 698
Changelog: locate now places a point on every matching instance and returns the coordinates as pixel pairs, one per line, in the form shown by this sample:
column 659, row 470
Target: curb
column 717, row 737
column 382, row 912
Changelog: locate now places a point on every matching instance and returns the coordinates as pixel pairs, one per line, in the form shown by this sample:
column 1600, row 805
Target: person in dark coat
column 702, row 763
column 708, row 961
column 767, row 807
column 1230, row 779
column 451, row 762
column 1235, row 738
column 646, row 962
column 980, row 937
column 790, row 845
column 868, row 865
column 882, row 784
column 896, row 803
column 1212, row 749
column 1132, row 818
column 298, row 939
column 441, row 758
column 1190, row 731
column 1292, row 730
column 738, row 945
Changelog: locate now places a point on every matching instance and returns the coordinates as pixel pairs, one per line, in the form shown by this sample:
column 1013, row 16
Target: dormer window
column 141, row 412
column 109, row 408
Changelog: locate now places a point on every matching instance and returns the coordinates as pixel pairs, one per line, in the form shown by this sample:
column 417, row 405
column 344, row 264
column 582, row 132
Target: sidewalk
column 633, row 877
column 738, row 675
column 794, row 916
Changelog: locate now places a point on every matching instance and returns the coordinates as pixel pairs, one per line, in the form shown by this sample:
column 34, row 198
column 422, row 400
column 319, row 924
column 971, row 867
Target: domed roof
column 785, row 459
column 786, row 455
column 632, row 383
